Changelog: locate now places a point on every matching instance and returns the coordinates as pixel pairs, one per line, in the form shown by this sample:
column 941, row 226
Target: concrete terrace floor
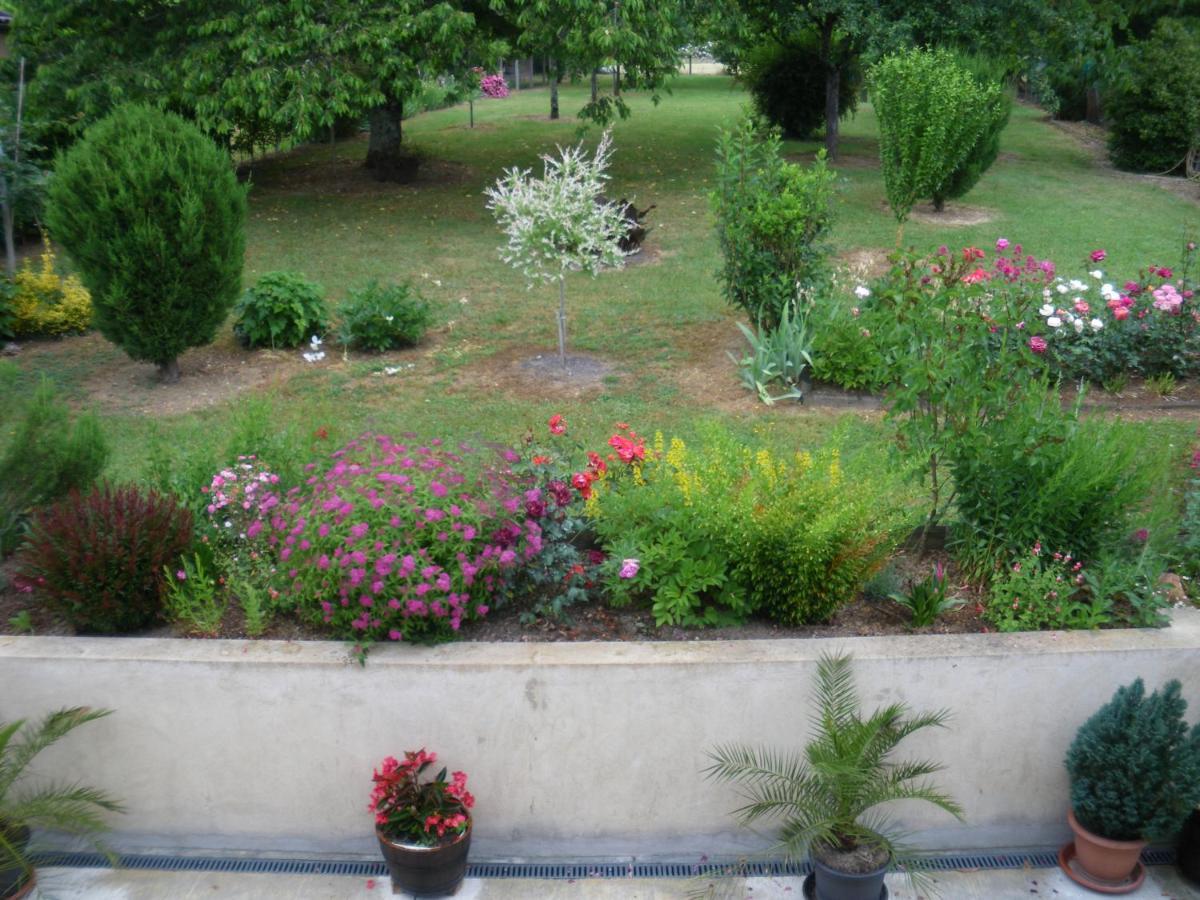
column 1162, row 883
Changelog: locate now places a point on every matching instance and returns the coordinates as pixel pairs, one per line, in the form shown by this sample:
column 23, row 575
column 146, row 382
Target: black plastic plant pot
column 1188, row 854
column 15, row 878
column 426, row 871
column 830, row 884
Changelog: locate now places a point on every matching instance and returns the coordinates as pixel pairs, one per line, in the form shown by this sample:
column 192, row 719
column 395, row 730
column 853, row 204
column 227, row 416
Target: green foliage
column 98, row 558
column 383, row 317
column 192, row 600
column 723, row 529
column 780, row 354
column 1135, row 766
column 153, row 217
column 50, row 454
column 826, row 796
column 1035, row 471
column 281, row 310
column 8, row 314
column 849, row 344
column 1044, row 591
column 787, row 82
column 1153, row 103
column 987, row 146
column 927, row 599
column 67, row 807
column 1189, row 528
column 932, row 113
column 773, row 220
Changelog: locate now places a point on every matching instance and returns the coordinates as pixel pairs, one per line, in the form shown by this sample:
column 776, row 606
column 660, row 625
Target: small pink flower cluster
column 236, row 495
column 494, row 86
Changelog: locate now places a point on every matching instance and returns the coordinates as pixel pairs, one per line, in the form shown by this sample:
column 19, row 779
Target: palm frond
column 836, row 693
column 17, row 755
column 73, row 809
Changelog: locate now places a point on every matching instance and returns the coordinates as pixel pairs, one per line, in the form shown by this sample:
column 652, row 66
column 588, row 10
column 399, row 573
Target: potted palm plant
column 827, row 796
column 69, row 808
column 424, row 828
column 1135, row 776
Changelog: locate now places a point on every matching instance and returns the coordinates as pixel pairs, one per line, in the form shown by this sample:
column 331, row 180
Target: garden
column 676, row 378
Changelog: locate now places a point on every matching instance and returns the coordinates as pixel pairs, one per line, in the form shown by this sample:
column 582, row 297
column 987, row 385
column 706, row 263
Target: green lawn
column 315, row 211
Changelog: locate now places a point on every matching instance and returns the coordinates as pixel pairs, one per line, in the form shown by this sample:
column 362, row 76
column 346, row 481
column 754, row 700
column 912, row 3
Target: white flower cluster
column 554, row 223
column 314, row 353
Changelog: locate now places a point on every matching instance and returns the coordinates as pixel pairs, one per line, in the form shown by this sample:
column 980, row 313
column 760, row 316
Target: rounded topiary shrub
column 1153, row 106
column 99, row 558
column 283, row 309
column 788, row 86
column 152, row 214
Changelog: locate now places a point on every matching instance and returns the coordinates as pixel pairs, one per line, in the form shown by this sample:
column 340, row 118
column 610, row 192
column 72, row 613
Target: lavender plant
column 559, row 223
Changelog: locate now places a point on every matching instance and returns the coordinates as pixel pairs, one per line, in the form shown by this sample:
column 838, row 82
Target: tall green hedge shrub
column 773, row 221
column 152, row 214
column 787, row 83
column 932, row 112
column 1153, row 102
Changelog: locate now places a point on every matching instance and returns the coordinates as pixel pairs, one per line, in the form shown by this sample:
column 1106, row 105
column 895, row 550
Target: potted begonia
column 826, row 797
column 424, row 828
column 1135, row 777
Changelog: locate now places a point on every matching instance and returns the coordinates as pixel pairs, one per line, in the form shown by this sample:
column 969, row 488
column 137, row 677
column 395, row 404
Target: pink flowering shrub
column 400, row 539
column 410, row 811
column 1044, row 591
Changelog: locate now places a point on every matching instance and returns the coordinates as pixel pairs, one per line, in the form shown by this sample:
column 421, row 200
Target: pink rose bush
column 399, row 539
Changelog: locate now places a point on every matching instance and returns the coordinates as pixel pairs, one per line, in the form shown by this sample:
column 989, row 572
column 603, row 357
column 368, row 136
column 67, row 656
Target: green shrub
column 723, row 529
column 152, row 214
column 383, row 316
column 99, row 558
column 987, row 147
column 1038, row 472
column 773, row 220
column 8, row 313
column 281, row 310
column 50, row 454
column 931, row 112
column 1135, row 766
column 849, row 344
column 788, row 86
column 1153, row 101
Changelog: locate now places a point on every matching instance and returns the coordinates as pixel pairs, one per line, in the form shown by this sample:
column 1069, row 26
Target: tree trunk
column 385, row 156
column 939, row 204
column 1093, row 113
column 833, row 79
column 554, row 82
column 595, row 84
column 168, row 371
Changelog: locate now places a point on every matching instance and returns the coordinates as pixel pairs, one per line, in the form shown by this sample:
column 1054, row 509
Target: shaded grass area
column 315, row 210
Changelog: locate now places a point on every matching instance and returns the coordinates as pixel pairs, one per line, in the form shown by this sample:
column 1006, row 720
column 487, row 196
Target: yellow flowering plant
column 723, row 529
column 46, row 303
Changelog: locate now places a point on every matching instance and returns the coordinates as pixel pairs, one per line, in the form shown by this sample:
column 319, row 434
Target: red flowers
column 1098, row 256
column 541, row 460
column 1037, row 344
column 407, row 810
column 557, row 424
column 970, row 253
column 628, row 448
column 975, row 277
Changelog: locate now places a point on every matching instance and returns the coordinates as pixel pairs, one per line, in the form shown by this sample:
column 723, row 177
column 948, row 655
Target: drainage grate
column 558, row 871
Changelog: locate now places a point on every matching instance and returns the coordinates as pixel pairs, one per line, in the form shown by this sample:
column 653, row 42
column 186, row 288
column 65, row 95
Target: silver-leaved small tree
column 560, row 223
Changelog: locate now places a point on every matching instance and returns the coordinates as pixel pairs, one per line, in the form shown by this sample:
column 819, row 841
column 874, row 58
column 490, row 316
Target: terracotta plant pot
column 426, row 871
column 1108, row 862
column 831, row 884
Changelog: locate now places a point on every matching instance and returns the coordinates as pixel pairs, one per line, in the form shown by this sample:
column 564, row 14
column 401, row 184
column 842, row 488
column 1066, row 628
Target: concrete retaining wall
column 572, row 749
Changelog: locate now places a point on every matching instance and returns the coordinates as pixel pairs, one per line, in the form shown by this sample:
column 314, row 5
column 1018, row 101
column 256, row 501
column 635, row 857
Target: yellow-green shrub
column 46, row 303
column 723, row 529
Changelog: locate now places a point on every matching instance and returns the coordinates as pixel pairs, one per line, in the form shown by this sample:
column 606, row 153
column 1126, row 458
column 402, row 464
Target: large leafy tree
column 249, row 70
column 301, row 65
column 641, row 39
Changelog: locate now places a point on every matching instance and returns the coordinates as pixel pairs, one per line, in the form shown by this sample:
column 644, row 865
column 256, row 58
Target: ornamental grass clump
column 410, row 811
column 399, row 540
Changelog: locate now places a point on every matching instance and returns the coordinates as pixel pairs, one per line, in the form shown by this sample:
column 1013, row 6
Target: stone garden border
column 573, row 750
